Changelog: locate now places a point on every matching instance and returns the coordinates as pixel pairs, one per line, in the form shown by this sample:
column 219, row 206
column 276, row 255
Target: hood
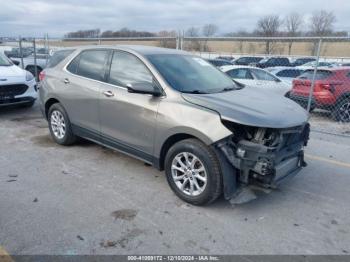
column 11, row 71
column 252, row 107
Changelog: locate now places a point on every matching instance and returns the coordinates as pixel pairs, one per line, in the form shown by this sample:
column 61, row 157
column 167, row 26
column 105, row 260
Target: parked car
column 219, row 62
column 177, row 112
column 345, row 64
column 272, row 62
column 30, row 65
column 228, row 58
column 311, row 65
column 17, row 86
column 16, row 52
column 287, row 74
column 247, row 60
column 331, row 91
column 302, row 61
column 257, row 78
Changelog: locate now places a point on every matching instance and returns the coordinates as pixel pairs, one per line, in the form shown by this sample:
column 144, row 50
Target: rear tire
column 193, row 172
column 341, row 111
column 60, row 126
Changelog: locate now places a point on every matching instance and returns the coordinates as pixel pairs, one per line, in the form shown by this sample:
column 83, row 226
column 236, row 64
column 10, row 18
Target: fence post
column 21, row 51
column 314, row 77
column 35, row 62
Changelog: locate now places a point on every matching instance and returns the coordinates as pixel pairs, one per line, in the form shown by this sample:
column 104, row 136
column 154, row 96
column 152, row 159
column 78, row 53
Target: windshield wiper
column 226, row 89
column 195, row 92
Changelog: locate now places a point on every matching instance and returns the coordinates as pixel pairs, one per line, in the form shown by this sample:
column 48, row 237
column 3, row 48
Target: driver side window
column 240, row 73
column 128, row 69
column 262, row 75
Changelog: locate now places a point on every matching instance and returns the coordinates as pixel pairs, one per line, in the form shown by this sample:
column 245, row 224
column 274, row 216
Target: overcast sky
column 57, row 17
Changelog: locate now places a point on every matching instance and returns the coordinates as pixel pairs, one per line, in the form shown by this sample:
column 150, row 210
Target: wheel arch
column 49, row 103
column 168, row 143
column 343, row 96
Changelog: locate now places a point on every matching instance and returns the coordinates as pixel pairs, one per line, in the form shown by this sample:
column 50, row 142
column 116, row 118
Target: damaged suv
column 176, row 112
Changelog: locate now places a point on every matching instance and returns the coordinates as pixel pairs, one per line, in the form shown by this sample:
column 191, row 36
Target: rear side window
column 321, row 74
column 289, row 73
column 128, row 69
column 240, row 73
column 57, row 57
column 92, row 64
column 73, row 66
column 262, row 75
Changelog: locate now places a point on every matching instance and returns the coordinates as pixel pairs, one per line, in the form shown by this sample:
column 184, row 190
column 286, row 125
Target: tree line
column 321, row 23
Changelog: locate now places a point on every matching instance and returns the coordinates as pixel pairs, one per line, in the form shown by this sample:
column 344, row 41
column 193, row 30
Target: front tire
column 60, row 126
column 193, row 172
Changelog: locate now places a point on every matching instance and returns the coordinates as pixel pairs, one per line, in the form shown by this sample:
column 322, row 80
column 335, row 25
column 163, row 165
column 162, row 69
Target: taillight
column 329, row 87
column 41, row 76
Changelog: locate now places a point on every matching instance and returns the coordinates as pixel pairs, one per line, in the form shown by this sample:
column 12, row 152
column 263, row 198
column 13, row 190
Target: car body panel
column 233, row 106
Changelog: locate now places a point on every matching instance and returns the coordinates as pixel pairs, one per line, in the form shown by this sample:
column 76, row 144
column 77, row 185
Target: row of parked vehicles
column 294, row 80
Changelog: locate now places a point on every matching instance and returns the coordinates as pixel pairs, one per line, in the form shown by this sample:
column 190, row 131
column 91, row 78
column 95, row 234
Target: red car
column 331, row 91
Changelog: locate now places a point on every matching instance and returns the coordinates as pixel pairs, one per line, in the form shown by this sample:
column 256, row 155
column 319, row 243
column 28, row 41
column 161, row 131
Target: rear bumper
column 319, row 101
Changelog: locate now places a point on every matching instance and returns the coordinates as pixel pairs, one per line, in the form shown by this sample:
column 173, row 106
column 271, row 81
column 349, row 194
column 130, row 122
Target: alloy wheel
column 344, row 112
column 58, row 124
column 189, row 174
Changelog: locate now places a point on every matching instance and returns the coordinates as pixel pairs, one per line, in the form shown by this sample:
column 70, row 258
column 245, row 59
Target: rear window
column 249, row 59
column 58, row 56
column 321, row 74
column 289, row 73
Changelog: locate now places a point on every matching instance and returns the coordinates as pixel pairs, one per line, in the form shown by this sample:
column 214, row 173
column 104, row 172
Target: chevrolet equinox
column 178, row 113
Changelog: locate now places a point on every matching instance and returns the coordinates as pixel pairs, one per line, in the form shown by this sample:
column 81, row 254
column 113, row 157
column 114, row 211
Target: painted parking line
column 4, row 256
column 327, row 160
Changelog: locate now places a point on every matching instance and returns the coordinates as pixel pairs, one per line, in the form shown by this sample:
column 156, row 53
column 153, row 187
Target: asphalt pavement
column 86, row 199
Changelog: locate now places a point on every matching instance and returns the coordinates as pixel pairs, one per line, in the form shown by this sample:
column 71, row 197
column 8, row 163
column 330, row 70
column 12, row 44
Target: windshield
column 4, row 61
column 190, row 74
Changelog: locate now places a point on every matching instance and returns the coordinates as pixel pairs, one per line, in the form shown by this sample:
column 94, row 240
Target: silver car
column 176, row 112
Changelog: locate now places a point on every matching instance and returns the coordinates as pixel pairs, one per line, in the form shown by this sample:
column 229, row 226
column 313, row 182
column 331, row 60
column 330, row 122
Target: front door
column 128, row 120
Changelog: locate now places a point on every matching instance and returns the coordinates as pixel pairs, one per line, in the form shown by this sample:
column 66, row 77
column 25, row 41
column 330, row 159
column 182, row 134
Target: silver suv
column 176, row 112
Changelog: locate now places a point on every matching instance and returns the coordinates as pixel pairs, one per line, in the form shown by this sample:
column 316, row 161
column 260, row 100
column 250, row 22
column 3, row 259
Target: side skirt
column 115, row 145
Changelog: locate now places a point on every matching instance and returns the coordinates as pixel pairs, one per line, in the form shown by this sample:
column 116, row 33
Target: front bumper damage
column 254, row 164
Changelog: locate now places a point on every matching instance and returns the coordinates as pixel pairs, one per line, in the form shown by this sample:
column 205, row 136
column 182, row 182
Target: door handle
column 66, row 81
column 108, row 93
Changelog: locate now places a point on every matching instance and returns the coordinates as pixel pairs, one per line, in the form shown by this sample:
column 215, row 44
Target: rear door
column 128, row 120
column 81, row 88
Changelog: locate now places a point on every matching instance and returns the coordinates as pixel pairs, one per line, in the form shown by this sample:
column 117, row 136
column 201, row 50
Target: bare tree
column 168, row 43
column 269, row 26
column 293, row 23
column 193, row 32
column 321, row 23
column 208, row 30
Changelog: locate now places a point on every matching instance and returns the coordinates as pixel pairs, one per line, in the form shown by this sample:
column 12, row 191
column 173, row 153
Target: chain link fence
column 312, row 71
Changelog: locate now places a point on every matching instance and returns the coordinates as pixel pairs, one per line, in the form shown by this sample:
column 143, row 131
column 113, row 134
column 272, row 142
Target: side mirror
column 143, row 88
column 15, row 62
